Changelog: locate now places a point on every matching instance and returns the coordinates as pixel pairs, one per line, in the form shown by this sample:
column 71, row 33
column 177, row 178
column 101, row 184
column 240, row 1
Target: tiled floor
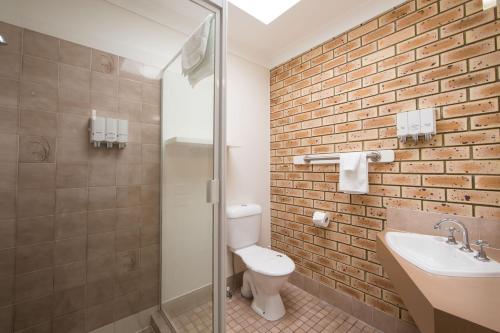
column 198, row 319
column 305, row 313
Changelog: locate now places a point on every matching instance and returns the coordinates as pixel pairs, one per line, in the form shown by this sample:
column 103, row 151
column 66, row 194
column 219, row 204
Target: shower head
column 2, row 41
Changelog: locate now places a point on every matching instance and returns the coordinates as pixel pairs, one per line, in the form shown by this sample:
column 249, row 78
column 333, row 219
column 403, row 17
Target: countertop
column 442, row 303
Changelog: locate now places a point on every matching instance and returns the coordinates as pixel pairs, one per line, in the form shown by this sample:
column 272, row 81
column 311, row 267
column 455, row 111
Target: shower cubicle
column 192, row 177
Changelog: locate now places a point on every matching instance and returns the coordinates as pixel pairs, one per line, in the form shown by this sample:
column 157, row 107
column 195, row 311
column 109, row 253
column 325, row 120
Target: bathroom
column 249, row 166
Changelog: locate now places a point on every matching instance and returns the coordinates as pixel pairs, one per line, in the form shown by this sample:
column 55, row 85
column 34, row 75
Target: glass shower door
column 189, row 215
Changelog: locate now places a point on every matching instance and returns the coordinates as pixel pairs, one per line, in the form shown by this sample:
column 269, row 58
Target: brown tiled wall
column 344, row 96
column 78, row 225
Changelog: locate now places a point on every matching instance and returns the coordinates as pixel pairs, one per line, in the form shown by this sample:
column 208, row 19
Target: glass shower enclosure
column 193, row 141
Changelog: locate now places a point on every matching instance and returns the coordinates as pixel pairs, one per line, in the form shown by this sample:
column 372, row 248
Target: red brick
column 423, row 193
column 485, row 31
column 349, row 46
column 447, row 208
column 485, row 91
column 486, row 151
column 476, row 197
column 485, row 121
column 484, row 61
column 379, row 33
column 468, row 51
column 467, row 23
column 440, row 46
column 362, row 51
column 418, row 66
column 446, row 4
column 398, row 60
column 379, row 55
column 472, row 137
column 468, row 80
column 466, row 109
column 447, row 181
column 418, row 41
column 362, row 29
column 399, row 83
column 452, row 97
column 336, row 42
column 473, row 167
column 487, row 183
column 417, row 16
column 417, row 91
column 440, row 20
column 443, row 72
column 379, row 77
column 379, row 99
column 397, row 13
column 396, row 37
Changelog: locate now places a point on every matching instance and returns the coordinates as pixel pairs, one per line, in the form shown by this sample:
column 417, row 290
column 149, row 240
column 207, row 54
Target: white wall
column 248, row 174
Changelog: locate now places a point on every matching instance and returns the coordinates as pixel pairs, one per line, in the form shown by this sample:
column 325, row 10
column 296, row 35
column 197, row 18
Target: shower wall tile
column 38, row 123
column 79, row 226
column 40, row 71
column 8, row 120
column 68, row 225
column 40, row 45
column 74, row 54
column 10, row 65
column 104, row 62
column 14, row 35
column 9, row 92
column 37, row 149
column 38, row 97
column 34, row 230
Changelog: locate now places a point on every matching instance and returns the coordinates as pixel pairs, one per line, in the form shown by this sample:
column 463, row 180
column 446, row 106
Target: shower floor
column 305, row 313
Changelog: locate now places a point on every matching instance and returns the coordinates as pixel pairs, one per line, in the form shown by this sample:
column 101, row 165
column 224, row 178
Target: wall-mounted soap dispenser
column 97, row 129
column 416, row 123
column 427, row 123
column 122, row 136
column 109, row 131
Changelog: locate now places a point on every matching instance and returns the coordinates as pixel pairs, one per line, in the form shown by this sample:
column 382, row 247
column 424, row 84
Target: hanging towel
column 353, row 176
column 198, row 53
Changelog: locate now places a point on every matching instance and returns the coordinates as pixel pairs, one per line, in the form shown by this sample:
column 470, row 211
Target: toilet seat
column 266, row 261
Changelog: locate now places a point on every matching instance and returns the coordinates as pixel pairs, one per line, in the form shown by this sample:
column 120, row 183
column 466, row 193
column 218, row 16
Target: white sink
column 434, row 255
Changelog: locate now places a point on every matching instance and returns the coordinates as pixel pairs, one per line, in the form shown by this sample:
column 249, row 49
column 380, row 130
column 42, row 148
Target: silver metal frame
column 374, row 156
column 219, row 8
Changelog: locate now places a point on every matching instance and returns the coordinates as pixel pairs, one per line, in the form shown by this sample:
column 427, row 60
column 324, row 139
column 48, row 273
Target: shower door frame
column 219, row 8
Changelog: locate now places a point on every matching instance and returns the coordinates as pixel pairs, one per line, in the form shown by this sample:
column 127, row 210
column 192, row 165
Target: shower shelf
column 191, row 141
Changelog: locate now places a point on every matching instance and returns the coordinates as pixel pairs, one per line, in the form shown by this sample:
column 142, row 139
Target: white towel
column 353, row 175
column 198, row 53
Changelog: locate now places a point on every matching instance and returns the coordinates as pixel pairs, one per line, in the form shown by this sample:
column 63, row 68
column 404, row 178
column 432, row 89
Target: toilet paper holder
column 320, row 219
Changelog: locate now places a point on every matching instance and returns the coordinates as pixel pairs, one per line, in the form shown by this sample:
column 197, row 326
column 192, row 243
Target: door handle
column 213, row 191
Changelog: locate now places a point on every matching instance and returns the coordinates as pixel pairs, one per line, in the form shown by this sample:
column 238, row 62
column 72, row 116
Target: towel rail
column 378, row 156
column 374, row 156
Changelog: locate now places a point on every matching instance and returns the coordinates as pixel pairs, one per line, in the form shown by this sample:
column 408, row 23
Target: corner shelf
column 192, row 141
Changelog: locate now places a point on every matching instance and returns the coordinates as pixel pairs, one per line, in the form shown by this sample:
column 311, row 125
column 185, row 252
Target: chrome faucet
column 465, row 233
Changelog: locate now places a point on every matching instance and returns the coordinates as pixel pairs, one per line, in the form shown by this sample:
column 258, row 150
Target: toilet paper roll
column 320, row 219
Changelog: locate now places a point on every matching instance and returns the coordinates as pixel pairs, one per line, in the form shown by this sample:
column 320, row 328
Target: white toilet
column 267, row 270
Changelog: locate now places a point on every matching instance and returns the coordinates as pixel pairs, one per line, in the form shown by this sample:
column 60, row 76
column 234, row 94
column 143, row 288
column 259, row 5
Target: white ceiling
column 307, row 24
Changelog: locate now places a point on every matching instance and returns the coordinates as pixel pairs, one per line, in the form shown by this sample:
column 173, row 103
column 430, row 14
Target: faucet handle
column 451, row 235
column 481, row 254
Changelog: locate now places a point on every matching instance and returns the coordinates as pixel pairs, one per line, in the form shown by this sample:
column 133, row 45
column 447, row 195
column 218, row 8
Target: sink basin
column 434, row 255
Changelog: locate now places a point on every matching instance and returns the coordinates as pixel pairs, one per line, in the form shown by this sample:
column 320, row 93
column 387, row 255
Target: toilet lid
column 266, row 261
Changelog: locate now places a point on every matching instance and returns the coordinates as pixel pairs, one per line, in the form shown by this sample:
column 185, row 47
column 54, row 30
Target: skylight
column 265, row 11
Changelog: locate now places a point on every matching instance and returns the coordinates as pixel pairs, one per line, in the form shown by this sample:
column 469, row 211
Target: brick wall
column 344, row 96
